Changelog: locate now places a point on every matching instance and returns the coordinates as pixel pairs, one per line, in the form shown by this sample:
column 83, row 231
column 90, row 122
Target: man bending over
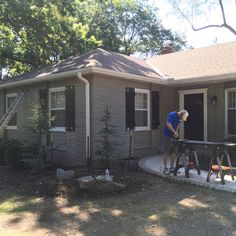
column 171, row 132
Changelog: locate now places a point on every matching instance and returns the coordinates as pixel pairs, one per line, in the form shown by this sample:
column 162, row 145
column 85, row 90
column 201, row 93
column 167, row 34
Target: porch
column 153, row 164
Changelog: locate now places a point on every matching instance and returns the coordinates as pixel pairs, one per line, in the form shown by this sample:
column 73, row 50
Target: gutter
column 88, row 70
column 87, row 102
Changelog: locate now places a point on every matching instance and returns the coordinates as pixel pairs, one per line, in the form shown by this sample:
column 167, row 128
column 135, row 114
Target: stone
column 64, row 174
column 99, row 184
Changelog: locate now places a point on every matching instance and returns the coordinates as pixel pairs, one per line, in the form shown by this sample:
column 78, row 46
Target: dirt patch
column 148, row 206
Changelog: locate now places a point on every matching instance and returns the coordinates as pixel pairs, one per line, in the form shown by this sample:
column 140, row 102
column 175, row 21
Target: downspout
column 87, row 103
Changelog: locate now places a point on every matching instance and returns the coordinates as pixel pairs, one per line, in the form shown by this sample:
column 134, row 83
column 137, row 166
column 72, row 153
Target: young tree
column 189, row 10
column 106, row 150
column 38, row 123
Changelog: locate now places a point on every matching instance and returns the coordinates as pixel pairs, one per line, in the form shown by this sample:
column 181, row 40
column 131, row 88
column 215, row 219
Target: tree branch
column 222, row 11
column 224, row 25
column 207, row 26
column 35, row 65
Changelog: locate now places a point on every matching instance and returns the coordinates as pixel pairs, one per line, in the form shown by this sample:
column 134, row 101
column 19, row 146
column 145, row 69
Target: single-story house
column 140, row 93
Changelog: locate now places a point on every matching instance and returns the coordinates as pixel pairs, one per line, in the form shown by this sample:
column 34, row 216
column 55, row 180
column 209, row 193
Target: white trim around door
column 181, row 107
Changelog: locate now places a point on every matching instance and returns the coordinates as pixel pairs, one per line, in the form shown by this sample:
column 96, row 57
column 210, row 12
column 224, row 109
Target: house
column 139, row 93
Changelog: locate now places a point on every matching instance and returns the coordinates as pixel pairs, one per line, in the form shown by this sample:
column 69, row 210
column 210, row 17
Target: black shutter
column 43, row 95
column 155, row 110
column 70, row 108
column 130, row 112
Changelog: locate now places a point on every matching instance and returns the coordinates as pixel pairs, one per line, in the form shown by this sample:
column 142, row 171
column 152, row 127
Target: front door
column 194, row 127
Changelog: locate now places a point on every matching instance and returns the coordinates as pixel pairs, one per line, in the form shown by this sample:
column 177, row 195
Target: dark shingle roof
column 95, row 58
column 209, row 61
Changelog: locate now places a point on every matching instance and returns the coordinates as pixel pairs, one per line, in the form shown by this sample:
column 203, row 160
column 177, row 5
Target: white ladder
column 10, row 111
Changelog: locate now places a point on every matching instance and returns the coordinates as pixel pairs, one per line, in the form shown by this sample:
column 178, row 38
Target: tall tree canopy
column 34, row 33
column 127, row 26
column 38, row 32
column 191, row 10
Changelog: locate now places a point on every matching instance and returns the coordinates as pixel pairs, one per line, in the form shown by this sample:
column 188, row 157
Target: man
column 171, row 132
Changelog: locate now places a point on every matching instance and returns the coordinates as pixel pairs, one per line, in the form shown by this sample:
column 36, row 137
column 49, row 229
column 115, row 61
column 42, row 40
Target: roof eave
column 88, row 70
column 204, row 79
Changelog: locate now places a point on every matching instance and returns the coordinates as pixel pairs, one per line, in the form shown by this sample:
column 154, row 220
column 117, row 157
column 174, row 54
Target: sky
column 204, row 37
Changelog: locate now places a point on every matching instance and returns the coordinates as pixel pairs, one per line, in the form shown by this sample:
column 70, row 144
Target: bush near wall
column 2, row 150
column 19, row 155
column 12, row 153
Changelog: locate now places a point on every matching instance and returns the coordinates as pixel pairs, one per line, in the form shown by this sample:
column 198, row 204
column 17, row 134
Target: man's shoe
column 166, row 171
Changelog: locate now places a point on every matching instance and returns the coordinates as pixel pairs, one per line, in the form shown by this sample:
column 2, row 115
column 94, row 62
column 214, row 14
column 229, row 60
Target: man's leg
column 172, row 161
column 165, row 158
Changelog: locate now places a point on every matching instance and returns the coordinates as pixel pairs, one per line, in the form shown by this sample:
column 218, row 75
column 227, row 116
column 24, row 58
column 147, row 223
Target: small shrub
column 12, row 154
column 30, row 155
column 2, row 150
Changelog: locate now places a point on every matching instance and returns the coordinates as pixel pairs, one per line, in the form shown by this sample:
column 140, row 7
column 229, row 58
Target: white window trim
column 181, row 107
column 144, row 128
column 10, row 127
column 226, row 111
column 50, row 91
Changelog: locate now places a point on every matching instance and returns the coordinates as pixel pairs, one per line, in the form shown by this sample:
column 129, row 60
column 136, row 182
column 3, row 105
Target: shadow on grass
column 149, row 206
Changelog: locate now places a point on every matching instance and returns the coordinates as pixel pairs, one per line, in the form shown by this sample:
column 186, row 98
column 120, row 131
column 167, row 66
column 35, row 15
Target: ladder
column 10, row 111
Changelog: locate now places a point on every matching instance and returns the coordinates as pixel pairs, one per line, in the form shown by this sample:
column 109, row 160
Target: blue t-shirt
column 172, row 118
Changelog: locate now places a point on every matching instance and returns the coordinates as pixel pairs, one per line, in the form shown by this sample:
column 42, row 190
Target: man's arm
column 170, row 127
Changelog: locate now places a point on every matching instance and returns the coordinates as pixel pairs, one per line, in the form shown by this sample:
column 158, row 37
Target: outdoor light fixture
column 213, row 100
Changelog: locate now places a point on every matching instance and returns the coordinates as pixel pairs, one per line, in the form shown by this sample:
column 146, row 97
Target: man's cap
column 184, row 114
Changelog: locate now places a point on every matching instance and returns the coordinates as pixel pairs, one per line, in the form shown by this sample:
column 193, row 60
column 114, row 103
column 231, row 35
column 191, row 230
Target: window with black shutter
column 155, row 110
column 70, row 108
column 57, row 108
column 130, row 109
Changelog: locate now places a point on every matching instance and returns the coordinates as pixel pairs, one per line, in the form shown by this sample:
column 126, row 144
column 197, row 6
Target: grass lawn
column 148, row 206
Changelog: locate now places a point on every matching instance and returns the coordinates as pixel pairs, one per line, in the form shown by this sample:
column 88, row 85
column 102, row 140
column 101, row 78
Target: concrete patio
column 153, row 164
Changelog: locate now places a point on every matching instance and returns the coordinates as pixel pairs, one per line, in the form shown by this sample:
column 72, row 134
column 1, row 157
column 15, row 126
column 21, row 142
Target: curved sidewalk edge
column 153, row 164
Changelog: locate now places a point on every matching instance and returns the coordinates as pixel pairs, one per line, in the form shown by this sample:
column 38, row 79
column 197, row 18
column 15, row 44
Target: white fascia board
column 204, row 80
column 41, row 79
column 88, row 70
column 124, row 75
column 169, row 81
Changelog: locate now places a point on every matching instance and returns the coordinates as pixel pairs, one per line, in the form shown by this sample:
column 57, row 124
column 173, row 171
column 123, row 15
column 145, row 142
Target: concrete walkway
column 153, row 164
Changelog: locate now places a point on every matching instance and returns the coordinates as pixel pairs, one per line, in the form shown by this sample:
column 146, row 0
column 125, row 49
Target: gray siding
column 111, row 92
column 69, row 146
column 215, row 114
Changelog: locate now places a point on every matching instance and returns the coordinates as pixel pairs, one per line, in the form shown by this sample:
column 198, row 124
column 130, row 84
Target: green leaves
column 34, row 33
column 127, row 26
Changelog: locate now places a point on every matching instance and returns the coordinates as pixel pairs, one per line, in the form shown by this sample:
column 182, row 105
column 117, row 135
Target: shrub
column 30, row 155
column 12, row 154
column 2, row 150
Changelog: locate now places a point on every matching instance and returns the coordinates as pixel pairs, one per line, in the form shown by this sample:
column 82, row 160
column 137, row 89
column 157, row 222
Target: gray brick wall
column 70, row 145
column 111, row 92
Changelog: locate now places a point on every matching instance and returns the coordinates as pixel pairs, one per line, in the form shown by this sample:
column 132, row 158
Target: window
column 230, row 111
column 57, row 108
column 9, row 100
column 142, row 109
